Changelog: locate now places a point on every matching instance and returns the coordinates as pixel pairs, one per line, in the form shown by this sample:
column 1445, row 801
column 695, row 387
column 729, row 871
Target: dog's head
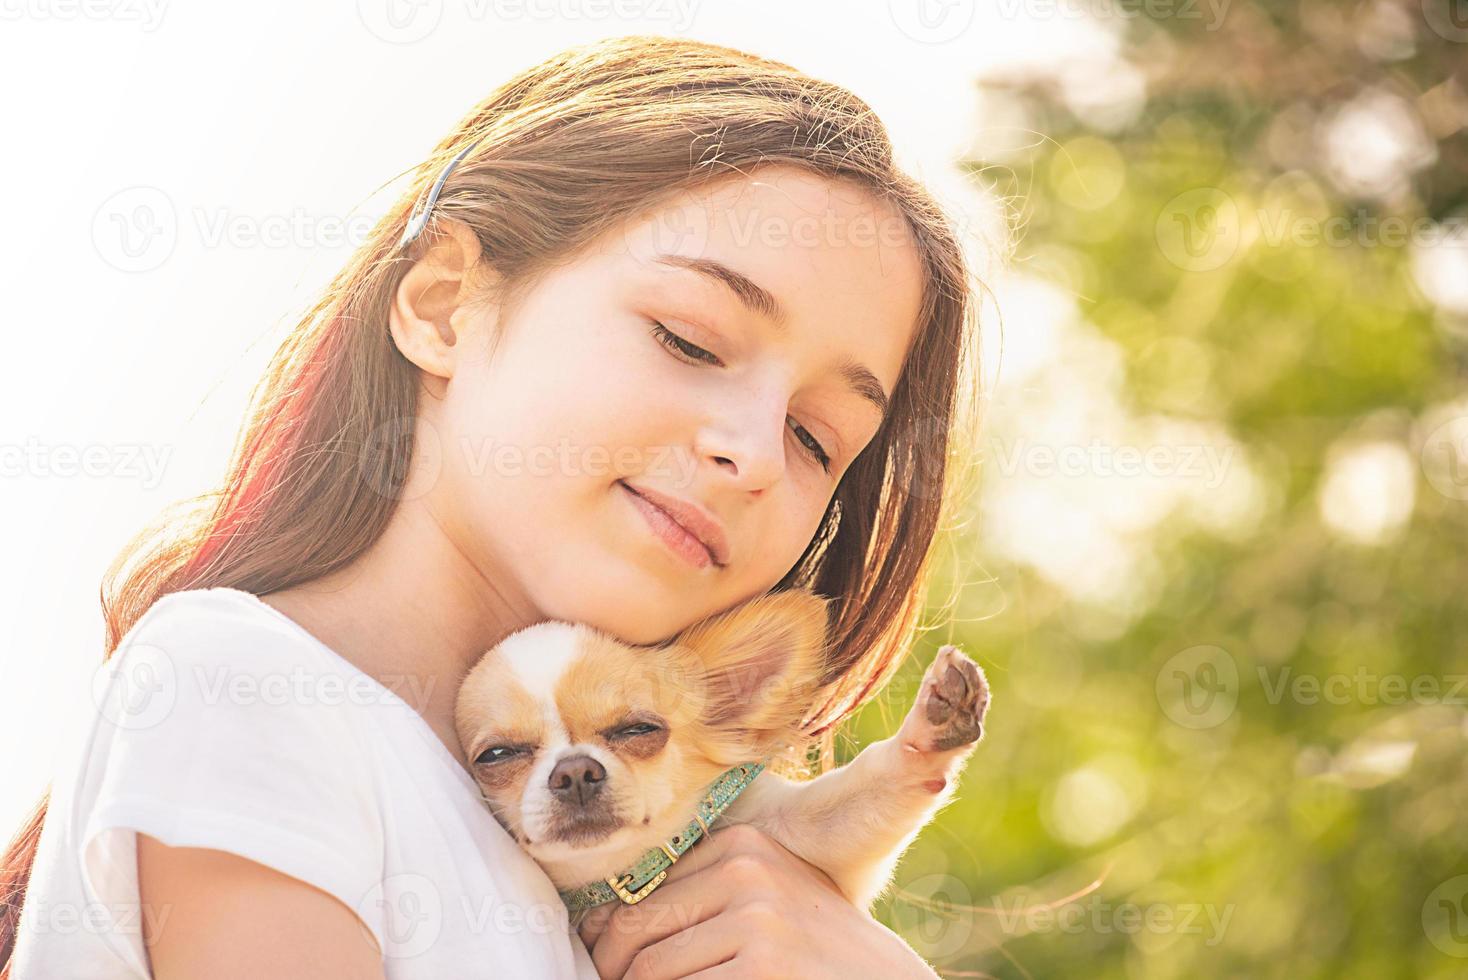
column 580, row 742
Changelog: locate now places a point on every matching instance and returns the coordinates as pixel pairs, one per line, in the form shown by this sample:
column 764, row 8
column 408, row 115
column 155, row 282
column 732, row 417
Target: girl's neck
column 412, row 612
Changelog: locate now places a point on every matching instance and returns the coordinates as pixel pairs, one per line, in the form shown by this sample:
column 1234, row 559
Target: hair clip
column 419, row 219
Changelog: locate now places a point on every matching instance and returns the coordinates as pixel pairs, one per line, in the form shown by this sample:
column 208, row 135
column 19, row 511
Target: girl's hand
column 740, row 905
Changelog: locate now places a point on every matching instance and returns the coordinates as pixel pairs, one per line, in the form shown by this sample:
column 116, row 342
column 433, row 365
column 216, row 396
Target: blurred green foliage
column 1302, row 816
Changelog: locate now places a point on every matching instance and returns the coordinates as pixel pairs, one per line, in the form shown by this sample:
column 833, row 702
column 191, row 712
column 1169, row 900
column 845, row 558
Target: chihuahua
column 590, row 752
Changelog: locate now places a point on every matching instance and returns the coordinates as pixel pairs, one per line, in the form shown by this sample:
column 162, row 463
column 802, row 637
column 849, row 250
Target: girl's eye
column 680, row 346
column 499, row 753
column 812, row 446
column 693, row 352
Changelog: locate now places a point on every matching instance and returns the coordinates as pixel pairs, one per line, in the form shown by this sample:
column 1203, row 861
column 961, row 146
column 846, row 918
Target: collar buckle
column 619, row 885
column 720, row 794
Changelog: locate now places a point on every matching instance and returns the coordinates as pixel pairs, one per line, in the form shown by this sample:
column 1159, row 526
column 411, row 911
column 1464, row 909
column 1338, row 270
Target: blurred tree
column 1235, row 698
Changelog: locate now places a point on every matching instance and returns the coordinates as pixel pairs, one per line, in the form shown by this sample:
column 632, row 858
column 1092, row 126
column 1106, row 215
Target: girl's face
column 713, row 351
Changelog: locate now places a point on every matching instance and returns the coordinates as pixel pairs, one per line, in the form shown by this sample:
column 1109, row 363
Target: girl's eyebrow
column 756, row 298
column 763, row 303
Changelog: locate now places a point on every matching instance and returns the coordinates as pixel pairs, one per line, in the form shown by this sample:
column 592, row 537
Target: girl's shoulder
column 215, row 615
column 228, row 629
column 213, row 725
column 221, row 657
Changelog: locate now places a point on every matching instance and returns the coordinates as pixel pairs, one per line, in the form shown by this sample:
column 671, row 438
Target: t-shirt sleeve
column 220, row 729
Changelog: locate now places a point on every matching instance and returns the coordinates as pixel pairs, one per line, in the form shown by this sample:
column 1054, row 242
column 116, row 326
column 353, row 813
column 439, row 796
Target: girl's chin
column 617, row 595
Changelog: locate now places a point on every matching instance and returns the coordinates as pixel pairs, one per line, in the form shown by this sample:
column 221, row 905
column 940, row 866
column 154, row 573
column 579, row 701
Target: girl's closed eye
column 692, row 352
column 677, row 344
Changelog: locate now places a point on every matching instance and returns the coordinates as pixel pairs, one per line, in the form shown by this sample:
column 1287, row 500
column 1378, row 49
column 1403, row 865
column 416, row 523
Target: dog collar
column 638, row 881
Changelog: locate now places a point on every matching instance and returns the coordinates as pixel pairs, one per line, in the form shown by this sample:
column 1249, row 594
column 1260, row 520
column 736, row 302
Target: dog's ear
column 760, row 663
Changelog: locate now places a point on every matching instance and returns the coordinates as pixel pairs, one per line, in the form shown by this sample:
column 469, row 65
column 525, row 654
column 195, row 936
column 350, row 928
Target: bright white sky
column 233, row 120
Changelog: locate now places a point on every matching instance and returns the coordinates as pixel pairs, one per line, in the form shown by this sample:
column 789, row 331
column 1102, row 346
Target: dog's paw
column 949, row 711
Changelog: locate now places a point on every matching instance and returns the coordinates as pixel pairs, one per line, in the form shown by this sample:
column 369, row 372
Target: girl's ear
column 430, row 300
column 761, row 663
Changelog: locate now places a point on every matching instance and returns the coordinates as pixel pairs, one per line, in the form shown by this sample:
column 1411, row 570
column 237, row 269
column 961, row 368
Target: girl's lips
column 669, row 531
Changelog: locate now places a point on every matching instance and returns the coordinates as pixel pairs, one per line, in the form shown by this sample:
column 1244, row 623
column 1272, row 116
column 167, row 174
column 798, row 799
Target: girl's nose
column 748, row 443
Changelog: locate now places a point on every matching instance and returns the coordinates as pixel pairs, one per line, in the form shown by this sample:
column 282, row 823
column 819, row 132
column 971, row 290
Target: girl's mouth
column 669, row 531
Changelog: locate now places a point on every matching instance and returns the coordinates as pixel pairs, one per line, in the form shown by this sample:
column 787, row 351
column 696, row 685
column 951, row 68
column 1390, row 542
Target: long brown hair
column 566, row 151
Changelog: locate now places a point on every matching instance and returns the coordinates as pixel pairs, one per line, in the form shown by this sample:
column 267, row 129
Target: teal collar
column 638, row 881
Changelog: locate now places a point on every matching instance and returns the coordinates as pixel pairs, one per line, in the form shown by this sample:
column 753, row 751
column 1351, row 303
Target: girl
column 645, row 277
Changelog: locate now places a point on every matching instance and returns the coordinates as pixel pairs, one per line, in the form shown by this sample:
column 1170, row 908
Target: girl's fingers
column 701, row 855
column 693, row 892
column 673, row 907
column 700, row 947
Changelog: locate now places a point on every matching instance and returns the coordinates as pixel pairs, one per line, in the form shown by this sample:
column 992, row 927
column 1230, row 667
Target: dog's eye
column 630, row 731
column 500, row 753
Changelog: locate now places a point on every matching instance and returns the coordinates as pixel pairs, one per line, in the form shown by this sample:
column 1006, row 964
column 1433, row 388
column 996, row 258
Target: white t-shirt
column 222, row 723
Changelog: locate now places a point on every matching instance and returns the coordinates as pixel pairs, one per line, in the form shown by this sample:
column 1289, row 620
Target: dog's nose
column 577, row 779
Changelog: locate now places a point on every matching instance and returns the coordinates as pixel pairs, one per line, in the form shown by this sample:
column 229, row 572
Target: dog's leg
column 855, row 822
